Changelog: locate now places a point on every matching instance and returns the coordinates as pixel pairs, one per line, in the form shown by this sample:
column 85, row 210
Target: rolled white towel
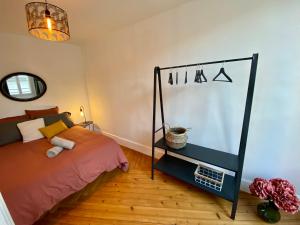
column 62, row 142
column 54, row 151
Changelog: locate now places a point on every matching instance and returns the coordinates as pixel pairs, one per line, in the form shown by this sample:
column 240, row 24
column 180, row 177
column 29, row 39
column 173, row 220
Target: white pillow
column 30, row 129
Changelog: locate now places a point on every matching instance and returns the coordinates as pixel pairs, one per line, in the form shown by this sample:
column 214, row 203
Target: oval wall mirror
column 22, row 86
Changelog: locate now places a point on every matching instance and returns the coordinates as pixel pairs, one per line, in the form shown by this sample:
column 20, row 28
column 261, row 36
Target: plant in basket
column 280, row 193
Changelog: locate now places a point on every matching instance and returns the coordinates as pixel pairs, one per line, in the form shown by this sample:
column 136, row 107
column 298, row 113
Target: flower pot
column 269, row 212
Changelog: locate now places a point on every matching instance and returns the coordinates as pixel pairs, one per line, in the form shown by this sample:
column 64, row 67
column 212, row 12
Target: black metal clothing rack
column 184, row 170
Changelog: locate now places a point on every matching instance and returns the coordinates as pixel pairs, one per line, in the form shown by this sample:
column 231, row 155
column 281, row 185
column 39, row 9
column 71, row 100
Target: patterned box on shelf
column 209, row 177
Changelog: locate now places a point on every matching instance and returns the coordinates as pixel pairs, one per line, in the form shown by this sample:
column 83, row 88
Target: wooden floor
column 132, row 198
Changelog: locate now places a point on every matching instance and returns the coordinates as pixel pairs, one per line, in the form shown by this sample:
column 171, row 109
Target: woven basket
column 176, row 137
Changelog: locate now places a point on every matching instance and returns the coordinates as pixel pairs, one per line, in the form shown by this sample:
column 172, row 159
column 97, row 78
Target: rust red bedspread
column 32, row 184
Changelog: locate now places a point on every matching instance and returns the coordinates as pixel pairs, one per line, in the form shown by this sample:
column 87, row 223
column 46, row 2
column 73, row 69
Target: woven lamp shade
column 37, row 21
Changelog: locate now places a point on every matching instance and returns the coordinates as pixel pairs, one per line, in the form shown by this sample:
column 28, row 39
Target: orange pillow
column 33, row 114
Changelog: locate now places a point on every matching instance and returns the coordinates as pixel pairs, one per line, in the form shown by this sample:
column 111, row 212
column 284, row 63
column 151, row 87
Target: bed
column 32, row 184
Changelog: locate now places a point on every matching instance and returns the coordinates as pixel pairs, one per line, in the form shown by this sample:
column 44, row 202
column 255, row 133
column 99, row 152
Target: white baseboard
column 130, row 144
column 147, row 151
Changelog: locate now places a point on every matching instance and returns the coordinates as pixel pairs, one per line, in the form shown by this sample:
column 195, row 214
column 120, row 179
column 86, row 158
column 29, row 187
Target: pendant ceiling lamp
column 47, row 21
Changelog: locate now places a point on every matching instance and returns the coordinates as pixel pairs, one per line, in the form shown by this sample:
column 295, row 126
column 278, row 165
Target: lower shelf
column 184, row 170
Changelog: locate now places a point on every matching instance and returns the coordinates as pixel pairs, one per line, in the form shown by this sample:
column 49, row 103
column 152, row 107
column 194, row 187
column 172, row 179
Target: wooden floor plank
column 132, row 198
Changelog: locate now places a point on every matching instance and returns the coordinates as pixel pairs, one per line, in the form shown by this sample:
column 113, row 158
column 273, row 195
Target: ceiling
column 88, row 19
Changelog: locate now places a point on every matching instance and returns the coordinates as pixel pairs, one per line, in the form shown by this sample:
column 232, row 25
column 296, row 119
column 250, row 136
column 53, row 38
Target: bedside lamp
column 82, row 113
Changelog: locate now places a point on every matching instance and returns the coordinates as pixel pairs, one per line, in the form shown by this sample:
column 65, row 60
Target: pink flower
column 281, row 185
column 282, row 192
column 261, row 188
column 284, row 195
column 288, row 204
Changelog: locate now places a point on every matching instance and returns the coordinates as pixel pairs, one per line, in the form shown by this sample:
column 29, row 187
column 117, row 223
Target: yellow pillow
column 53, row 129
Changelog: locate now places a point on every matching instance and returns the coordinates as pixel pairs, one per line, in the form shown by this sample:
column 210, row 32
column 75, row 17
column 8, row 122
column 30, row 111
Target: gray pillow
column 9, row 132
column 65, row 117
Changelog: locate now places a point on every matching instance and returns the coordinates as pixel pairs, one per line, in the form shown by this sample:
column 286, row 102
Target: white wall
column 120, row 79
column 59, row 65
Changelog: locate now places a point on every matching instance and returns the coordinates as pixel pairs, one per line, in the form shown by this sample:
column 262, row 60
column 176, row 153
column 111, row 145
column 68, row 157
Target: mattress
column 31, row 183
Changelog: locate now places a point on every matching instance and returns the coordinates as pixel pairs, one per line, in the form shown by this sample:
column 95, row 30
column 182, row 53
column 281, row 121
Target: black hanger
column 185, row 79
column 170, row 79
column 197, row 77
column 176, row 77
column 222, row 72
column 201, row 75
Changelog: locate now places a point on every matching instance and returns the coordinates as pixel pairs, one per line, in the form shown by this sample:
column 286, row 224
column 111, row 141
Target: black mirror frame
column 19, row 99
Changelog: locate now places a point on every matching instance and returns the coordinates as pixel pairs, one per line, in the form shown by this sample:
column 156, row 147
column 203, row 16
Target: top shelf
column 214, row 157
